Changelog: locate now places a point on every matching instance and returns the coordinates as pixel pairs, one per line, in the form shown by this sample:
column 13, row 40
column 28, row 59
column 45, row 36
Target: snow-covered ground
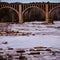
column 29, row 35
column 30, row 41
column 41, row 35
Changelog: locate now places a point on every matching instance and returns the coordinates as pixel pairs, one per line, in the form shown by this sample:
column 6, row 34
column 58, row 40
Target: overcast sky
column 27, row 1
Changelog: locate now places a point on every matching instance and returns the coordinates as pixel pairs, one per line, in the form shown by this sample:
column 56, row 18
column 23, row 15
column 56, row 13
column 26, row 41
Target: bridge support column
column 47, row 14
column 20, row 14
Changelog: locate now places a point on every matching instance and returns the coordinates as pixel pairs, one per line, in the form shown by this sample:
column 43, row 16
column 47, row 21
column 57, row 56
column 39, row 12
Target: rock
column 10, row 48
column 1, row 48
column 20, row 50
column 40, row 47
column 58, row 27
column 4, row 42
column 31, row 49
column 34, row 52
column 22, row 57
column 1, row 58
column 48, row 49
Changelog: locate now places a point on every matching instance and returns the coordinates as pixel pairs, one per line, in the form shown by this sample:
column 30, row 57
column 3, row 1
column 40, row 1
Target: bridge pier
column 47, row 14
column 20, row 14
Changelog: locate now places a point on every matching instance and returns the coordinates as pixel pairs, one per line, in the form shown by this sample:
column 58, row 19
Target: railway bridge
column 21, row 12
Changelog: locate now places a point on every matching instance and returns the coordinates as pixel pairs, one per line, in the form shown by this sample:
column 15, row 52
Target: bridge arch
column 14, row 10
column 41, row 10
column 54, row 14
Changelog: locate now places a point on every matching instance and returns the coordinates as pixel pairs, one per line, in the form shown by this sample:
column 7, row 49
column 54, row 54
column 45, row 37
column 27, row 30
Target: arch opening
column 8, row 15
column 33, row 14
column 54, row 14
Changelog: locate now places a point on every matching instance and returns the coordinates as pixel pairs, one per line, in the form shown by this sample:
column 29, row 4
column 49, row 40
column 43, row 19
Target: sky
column 27, row 1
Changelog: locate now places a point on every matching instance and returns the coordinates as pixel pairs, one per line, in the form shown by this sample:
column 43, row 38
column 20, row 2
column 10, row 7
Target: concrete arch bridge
column 25, row 12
